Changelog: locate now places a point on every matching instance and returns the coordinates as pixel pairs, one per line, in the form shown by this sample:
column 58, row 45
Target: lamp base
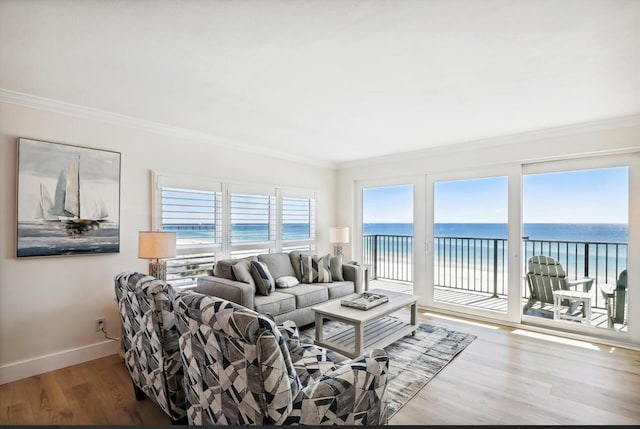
column 158, row 269
column 337, row 249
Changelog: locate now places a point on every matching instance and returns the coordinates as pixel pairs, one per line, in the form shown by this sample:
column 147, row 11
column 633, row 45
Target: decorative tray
column 365, row 301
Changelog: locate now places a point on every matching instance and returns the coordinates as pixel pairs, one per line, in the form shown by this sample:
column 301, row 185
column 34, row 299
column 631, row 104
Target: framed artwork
column 68, row 200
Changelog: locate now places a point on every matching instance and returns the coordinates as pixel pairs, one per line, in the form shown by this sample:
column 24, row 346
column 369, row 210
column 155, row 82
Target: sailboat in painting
column 67, row 207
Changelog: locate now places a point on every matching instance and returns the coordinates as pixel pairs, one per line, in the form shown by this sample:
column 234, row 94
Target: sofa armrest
column 355, row 274
column 230, row 290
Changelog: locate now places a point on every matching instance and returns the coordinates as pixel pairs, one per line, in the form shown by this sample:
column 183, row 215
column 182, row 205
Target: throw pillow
column 241, row 272
column 286, row 281
column 315, row 269
column 336, row 268
column 262, row 277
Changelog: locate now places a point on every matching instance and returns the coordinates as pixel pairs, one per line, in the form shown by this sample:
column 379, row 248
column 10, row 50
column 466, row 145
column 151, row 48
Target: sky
column 581, row 196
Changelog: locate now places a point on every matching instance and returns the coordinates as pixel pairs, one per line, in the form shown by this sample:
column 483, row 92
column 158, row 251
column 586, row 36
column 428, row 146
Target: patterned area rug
column 415, row 360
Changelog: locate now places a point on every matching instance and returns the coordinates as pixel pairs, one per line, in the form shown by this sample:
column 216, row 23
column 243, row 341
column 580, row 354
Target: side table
column 574, row 295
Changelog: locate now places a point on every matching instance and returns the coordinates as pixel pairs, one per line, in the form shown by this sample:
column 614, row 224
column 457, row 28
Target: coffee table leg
column 414, row 317
column 319, row 327
column 359, row 334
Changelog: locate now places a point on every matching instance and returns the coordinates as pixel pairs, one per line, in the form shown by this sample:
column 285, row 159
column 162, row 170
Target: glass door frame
column 418, row 215
column 632, row 161
column 514, row 236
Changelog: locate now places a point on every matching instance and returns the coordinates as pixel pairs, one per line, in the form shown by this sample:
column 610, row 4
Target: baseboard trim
column 27, row 368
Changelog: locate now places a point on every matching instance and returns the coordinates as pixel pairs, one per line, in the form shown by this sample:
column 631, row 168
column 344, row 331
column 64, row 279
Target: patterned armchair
column 243, row 369
column 150, row 341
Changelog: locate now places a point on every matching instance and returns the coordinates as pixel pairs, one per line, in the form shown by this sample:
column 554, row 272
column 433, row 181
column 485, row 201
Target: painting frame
column 67, row 199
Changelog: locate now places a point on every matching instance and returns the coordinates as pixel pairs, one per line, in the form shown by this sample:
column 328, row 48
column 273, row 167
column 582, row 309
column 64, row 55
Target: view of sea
column 591, row 232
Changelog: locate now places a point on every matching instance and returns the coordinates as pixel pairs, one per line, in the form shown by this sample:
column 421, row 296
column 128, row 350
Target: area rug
column 414, row 360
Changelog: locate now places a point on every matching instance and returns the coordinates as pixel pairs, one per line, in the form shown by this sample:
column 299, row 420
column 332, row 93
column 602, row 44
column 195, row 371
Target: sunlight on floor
column 554, row 339
column 455, row 319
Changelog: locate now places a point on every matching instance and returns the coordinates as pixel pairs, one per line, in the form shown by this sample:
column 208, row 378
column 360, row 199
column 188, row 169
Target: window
column 215, row 220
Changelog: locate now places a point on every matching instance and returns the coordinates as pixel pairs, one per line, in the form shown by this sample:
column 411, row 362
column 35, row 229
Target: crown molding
column 89, row 113
column 547, row 133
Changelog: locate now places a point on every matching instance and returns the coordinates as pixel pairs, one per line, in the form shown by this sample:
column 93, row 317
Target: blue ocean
column 589, row 232
column 580, row 232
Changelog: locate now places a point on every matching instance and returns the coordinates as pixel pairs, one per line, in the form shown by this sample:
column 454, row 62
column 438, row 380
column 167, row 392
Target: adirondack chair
column 546, row 275
column 615, row 297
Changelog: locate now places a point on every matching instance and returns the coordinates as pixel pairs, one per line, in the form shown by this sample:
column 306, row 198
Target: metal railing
column 480, row 264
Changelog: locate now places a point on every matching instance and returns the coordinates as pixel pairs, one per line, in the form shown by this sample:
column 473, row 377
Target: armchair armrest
column 230, row 290
column 586, row 284
column 356, row 402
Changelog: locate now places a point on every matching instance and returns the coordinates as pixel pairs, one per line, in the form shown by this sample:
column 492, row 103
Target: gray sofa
column 293, row 293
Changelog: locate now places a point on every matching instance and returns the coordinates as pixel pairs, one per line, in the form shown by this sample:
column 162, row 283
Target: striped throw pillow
column 261, row 275
column 316, row 269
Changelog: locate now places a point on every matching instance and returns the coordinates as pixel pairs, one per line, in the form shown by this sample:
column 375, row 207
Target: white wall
column 48, row 305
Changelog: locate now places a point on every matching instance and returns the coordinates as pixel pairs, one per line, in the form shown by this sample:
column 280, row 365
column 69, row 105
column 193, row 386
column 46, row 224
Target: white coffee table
column 367, row 329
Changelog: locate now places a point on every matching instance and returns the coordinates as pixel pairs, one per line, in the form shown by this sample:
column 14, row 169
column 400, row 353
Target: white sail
column 72, row 191
column 44, row 210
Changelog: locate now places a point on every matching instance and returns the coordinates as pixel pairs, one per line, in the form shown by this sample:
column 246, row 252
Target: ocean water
column 581, row 232
column 590, row 232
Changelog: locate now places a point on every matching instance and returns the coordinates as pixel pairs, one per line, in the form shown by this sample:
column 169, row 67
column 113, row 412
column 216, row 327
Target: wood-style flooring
column 502, row 378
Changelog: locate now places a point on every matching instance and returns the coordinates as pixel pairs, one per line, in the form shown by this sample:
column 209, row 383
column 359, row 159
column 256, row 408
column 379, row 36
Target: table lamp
column 156, row 245
column 338, row 235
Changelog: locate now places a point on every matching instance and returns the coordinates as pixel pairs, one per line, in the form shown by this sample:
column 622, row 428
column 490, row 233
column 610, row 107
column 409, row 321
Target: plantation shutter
column 298, row 220
column 252, row 220
column 192, row 208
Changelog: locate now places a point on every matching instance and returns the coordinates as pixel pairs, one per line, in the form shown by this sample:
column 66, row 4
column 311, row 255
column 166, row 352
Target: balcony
column 472, row 271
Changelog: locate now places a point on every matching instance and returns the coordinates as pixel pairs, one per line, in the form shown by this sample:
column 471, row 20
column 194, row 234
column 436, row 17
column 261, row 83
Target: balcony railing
column 480, row 264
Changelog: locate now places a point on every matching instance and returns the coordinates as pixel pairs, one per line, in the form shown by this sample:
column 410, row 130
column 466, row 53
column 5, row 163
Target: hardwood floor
column 502, row 378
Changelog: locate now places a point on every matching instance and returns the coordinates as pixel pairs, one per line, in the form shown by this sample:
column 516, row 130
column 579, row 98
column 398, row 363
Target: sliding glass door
column 469, row 265
column 576, row 221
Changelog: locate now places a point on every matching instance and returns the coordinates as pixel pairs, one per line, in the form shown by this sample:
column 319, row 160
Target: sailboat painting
column 68, row 200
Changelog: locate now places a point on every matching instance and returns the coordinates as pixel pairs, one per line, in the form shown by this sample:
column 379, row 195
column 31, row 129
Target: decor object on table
column 150, row 341
column 157, row 245
column 68, row 200
column 365, row 301
column 416, row 359
column 242, row 369
column 338, row 235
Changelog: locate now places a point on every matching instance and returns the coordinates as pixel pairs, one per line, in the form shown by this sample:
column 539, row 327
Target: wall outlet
column 100, row 324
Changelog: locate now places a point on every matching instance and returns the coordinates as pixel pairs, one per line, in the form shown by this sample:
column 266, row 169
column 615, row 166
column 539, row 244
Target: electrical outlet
column 100, row 324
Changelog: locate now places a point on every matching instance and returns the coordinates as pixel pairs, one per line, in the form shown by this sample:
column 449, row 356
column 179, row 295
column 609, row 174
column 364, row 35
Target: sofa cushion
column 336, row 268
column 315, row 269
column 338, row 289
column 275, row 303
column 307, row 295
column 222, row 268
column 279, row 264
column 294, row 257
column 241, row 272
column 261, row 275
column 286, row 281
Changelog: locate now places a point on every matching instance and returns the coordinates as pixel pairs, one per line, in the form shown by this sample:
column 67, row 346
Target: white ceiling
column 331, row 80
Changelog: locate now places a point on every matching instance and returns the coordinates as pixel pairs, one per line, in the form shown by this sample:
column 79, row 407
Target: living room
column 55, row 86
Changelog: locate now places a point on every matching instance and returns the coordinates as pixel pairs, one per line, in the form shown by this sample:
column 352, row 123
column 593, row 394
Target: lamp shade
column 339, row 234
column 156, row 244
